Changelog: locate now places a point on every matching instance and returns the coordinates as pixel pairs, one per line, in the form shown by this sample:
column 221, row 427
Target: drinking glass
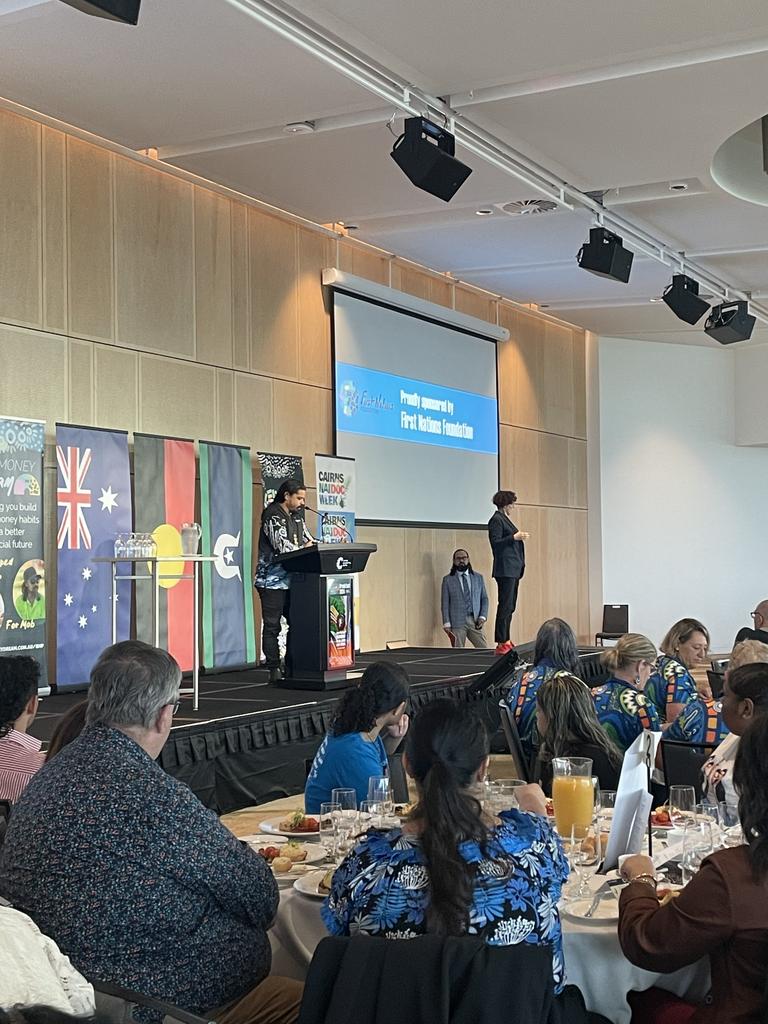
column 573, row 795
column 328, row 828
column 731, row 825
column 682, row 804
column 120, row 545
column 607, row 805
column 345, row 798
column 596, row 793
column 503, row 794
column 584, row 853
column 380, row 792
column 697, row 844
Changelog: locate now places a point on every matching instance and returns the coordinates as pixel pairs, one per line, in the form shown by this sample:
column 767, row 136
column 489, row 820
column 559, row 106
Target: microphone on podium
column 320, row 516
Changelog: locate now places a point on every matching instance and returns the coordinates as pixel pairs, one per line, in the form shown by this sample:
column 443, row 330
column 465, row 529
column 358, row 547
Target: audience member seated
column 569, row 727
column 450, row 870
column 671, row 685
column 758, row 631
column 369, row 724
column 555, row 651
column 722, row 912
column 20, row 755
column 34, row 970
column 122, row 866
column 745, row 696
column 622, row 707
column 68, row 729
column 700, row 721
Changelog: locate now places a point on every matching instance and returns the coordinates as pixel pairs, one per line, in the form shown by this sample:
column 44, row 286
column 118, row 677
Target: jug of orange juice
column 573, row 793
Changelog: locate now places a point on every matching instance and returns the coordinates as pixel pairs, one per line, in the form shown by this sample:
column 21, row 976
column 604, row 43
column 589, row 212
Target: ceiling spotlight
column 730, row 322
column 299, row 128
column 605, row 255
column 425, row 152
column 682, row 297
column 484, row 211
column 655, row 298
column 678, row 186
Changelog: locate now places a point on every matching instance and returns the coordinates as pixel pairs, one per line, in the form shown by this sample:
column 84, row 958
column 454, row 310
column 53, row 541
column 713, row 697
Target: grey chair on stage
column 615, row 623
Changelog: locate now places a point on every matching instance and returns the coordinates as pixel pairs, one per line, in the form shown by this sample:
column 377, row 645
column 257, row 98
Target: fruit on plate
column 281, row 864
column 299, row 822
column 295, row 852
column 325, row 882
column 661, row 817
column 550, row 809
column 269, row 853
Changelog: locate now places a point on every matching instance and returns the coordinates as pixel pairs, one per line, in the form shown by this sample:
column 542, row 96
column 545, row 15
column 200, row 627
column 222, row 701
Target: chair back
column 615, row 619
column 520, row 763
column 398, row 781
column 591, row 669
column 682, row 763
column 716, row 680
column 117, row 1005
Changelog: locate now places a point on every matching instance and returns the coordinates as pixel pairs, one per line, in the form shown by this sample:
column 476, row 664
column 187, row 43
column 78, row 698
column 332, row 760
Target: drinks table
column 154, row 574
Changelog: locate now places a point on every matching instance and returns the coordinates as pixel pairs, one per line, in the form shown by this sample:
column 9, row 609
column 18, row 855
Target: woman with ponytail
column 369, row 724
column 451, row 870
column 722, row 912
column 622, row 707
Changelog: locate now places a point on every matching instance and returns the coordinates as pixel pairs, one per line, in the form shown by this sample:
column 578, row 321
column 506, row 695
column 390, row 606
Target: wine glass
column 584, row 853
column 697, row 844
column 328, row 828
column 380, row 792
column 682, row 804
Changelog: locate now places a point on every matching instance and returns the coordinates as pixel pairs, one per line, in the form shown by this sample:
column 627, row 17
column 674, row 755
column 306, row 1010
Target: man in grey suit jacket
column 464, row 602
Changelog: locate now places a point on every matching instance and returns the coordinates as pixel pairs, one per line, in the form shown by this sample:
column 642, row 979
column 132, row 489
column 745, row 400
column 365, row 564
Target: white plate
column 259, row 840
column 308, row 884
column 285, row 878
column 273, row 828
column 607, row 910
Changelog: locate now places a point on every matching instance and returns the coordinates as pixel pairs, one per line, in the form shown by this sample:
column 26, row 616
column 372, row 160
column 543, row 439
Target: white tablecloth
column 593, row 958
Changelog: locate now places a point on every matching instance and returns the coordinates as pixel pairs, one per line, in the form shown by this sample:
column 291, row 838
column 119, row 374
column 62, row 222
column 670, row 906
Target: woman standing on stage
column 508, row 547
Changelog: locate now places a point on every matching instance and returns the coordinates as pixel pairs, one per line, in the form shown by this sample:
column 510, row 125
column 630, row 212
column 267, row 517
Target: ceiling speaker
column 117, row 10
column 730, row 322
column 425, row 153
column 682, row 297
column 605, row 255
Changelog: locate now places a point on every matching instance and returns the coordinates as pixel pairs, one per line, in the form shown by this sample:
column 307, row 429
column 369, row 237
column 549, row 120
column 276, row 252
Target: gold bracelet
column 649, row 879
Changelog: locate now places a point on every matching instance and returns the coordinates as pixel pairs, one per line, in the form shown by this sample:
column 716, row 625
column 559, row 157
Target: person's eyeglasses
column 175, row 706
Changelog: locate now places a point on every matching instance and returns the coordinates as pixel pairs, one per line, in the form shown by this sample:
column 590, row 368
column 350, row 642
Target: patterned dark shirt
column 522, row 698
column 671, row 683
column 700, row 721
column 279, row 533
column 135, row 880
column 624, row 712
column 382, row 887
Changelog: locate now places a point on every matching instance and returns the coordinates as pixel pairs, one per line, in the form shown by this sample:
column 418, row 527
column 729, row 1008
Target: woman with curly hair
column 369, row 724
column 722, row 913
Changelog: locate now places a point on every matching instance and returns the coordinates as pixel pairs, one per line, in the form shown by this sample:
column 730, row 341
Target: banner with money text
column 164, row 492
column 94, row 505
column 226, row 513
column 22, row 568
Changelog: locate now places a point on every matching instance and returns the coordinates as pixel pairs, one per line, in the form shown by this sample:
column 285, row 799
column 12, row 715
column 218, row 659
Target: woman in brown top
column 722, row 913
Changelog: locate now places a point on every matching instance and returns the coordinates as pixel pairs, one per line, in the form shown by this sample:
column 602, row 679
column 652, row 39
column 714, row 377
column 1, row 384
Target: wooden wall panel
column 415, row 281
column 90, row 235
column 43, row 396
column 116, row 388
column 54, row 170
column 544, row 469
column 176, row 398
column 314, row 321
column 225, row 406
column 81, row 384
column 273, row 258
column 302, row 422
column 21, row 297
column 254, row 421
column 213, row 279
column 241, row 289
column 474, row 303
column 154, row 260
column 367, row 263
column 382, row 588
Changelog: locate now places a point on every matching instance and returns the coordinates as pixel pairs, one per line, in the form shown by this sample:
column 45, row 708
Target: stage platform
column 249, row 741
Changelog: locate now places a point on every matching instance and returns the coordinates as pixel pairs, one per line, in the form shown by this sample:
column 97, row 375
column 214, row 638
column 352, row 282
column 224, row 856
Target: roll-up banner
column 336, row 507
column 22, row 566
column 94, row 505
column 276, row 469
column 226, row 512
column 164, row 489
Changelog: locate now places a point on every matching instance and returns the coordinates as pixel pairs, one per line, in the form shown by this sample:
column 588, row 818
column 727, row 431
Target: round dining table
column 593, row 958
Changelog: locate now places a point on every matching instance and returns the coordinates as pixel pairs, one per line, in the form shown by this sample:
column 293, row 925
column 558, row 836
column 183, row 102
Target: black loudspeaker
column 730, row 322
column 425, row 153
column 682, row 297
column 605, row 256
column 118, row 10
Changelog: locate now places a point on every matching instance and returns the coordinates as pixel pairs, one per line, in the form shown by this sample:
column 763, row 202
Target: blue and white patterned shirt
column 135, row 880
column 382, row 887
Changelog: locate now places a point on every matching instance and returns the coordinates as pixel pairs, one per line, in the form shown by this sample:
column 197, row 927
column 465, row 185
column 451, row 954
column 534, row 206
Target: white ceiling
column 608, row 96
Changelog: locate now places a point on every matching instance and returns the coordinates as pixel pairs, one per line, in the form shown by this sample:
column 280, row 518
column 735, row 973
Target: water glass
column 503, row 794
column 682, row 804
column 731, row 825
column 380, row 792
column 697, row 844
column 120, row 545
column 328, row 828
column 345, row 798
column 584, row 853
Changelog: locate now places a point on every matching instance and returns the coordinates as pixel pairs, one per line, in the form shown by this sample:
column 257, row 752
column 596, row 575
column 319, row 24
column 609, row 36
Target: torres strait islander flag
column 164, row 484
column 226, row 511
column 94, row 504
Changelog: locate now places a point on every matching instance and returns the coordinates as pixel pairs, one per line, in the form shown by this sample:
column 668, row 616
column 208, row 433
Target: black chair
column 615, row 623
column 509, row 725
column 716, row 680
column 398, row 780
column 682, row 763
column 116, row 1005
column 590, row 668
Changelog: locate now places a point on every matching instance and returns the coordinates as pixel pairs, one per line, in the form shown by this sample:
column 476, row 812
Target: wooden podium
column 321, row 638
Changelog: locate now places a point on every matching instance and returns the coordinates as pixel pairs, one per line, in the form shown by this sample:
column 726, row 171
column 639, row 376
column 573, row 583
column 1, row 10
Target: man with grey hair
column 759, row 630
column 125, row 869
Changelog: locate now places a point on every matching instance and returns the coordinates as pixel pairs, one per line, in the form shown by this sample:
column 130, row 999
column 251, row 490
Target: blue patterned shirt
column 700, row 721
column 671, row 683
column 624, row 712
column 382, row 887
column 522, row 697
column 135, row 880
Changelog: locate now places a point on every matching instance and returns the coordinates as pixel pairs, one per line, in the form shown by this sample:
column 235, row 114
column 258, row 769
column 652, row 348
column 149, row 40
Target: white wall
column 683, row 508
column 751, row 394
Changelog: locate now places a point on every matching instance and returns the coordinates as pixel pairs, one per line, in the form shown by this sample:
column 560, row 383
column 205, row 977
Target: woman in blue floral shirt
column 450, row 870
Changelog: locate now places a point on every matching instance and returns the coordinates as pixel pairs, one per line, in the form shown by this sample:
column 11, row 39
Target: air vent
column 528, row 207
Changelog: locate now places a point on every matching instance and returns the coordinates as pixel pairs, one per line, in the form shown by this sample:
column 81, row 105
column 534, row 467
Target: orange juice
column 574, row 800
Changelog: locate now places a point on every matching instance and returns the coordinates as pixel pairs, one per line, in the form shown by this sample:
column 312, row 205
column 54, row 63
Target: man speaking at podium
column 282, row 529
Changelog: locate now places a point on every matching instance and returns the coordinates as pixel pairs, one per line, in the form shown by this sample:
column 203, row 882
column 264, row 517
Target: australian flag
column 94, row 504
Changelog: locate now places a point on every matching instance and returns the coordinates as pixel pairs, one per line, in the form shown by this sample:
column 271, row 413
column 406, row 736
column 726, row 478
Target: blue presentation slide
column 385, row 405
